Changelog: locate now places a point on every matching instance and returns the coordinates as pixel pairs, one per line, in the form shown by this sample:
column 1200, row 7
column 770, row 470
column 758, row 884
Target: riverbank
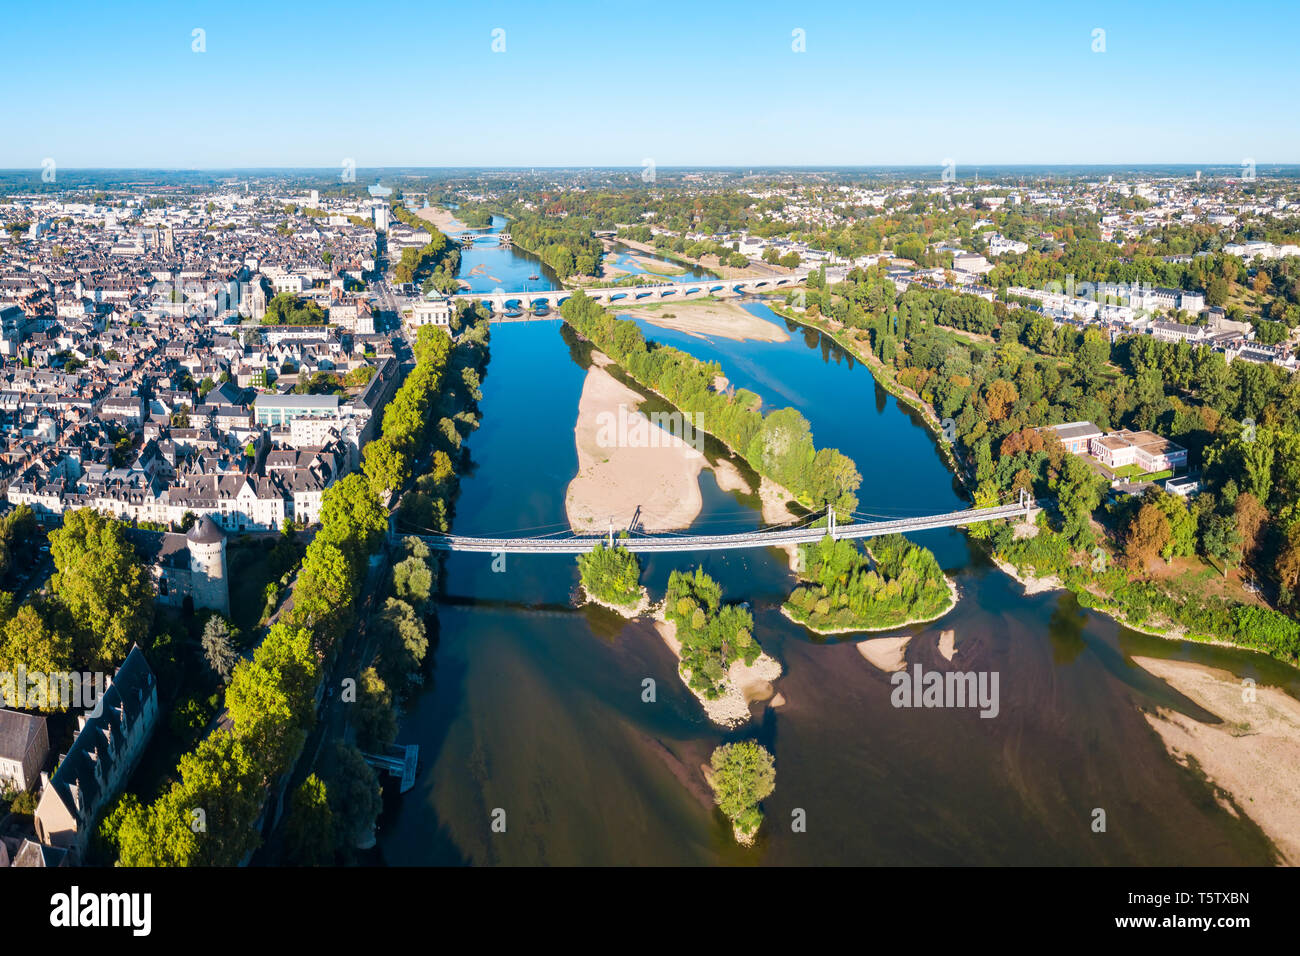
column 722, row 318
column 630, row 613
column 1252, row 758
column 884, row 377
column 1033, row 584
column 743, row 685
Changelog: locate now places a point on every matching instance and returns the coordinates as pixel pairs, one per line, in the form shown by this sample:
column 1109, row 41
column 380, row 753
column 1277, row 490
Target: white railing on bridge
column 721, row 542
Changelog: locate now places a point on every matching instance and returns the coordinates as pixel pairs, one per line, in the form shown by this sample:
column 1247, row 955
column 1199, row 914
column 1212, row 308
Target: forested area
column 778, row 445
column 427, row 504
column 1237, row 420
column 845, row 591
column 566, row 245
column 712, row 635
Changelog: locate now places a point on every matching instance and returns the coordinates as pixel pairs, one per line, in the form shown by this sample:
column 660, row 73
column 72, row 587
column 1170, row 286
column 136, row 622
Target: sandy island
column 954, row 595
column 657, row 267
column 647, row 476
column 442, row 219
column 742, row 685
column 724, row 319
column 1254, row 755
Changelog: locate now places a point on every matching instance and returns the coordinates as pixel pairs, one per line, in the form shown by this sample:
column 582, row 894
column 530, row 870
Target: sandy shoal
column 657, row 484
column 1254, row 754
column 743, row 685
column 724, row 319
column 885, row 653
column 657, row 267
column 442, row 219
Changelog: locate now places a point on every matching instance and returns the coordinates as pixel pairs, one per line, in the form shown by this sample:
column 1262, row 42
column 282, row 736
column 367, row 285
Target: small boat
column 533, row 278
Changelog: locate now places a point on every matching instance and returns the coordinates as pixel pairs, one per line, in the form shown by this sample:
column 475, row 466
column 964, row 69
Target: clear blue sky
column 96, row 84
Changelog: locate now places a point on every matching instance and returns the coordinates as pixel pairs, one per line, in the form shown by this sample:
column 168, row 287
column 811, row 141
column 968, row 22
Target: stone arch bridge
column 633, row 294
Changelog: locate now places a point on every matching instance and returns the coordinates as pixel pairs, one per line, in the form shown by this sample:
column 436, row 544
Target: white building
column 431, row 312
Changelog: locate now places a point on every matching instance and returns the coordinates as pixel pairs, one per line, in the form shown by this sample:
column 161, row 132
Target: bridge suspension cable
column 779, row 536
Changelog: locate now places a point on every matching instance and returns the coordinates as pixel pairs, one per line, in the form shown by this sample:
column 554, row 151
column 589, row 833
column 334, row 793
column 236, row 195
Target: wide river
column 535, row 713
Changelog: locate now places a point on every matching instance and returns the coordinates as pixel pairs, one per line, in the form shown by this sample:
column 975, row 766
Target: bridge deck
column 718, row 542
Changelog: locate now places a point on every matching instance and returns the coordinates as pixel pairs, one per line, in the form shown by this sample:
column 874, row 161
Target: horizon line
column 707, row 166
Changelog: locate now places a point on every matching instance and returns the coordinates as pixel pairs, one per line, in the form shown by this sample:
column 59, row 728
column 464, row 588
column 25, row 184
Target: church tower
column 208, row 584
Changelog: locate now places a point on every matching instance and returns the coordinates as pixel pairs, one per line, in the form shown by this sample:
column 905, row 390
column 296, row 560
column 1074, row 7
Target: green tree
column 742, row 775
column 611, row 575
column 376, row 713
column 218, row 647
column 402, row 645
column 413, row 577
column 101, row 583
column 352, row 517
column 1222, row 541
column 309, row 836
column 355, row 798
column 28, row 643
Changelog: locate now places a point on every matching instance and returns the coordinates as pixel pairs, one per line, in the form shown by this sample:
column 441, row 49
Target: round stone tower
column 208, row 585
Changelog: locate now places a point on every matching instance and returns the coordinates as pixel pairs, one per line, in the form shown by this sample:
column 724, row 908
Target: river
column 535, row 712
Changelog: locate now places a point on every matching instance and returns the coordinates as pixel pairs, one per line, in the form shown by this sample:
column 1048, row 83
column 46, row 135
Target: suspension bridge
column 764, row 538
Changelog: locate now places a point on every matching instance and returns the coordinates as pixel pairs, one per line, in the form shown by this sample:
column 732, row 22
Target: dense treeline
column 474, row 215
column 712, row 635
column 778, row 445
column 845, row 591
column 387, row 460
column 566, row 245
column 611, row 575
column 427, row 504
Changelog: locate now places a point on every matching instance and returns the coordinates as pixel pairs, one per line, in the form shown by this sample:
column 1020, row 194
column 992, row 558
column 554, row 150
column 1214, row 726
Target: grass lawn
column 1134, row 473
